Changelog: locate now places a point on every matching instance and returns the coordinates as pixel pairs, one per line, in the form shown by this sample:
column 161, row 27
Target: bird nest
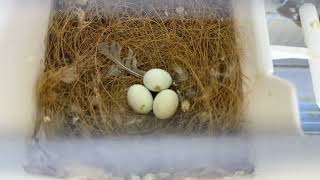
column 95, row 52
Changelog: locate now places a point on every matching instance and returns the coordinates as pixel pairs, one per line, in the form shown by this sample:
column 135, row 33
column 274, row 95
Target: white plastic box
column 271, row 104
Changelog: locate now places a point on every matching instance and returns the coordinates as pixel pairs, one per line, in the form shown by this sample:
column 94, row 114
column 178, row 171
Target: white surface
column 277, row 157
column 287, row 52
column 271, row 102
column 287, row 158
column 311, row 28
column 283, row 31
column 22, row 31
column 250, row 16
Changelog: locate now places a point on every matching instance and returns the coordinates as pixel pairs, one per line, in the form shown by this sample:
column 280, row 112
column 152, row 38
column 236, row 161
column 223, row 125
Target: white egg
column 157, row 80
column 165, row 104
column 140, row 99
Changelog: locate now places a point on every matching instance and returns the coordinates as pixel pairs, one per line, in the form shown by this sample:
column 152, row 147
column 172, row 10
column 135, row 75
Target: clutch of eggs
column 166, row 102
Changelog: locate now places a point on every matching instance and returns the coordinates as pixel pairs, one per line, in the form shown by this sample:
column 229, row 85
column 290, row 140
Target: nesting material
column 95, row 52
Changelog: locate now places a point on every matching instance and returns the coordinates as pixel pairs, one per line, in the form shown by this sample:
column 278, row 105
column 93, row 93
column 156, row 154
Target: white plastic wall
column 311, row 28
column 271, row 102
column 23, row 26
column 271, row 105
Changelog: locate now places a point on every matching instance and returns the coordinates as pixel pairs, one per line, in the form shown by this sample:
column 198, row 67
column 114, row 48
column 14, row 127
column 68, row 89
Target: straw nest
column 82, row 92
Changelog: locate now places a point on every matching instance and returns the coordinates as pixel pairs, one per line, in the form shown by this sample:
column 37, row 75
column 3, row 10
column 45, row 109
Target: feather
column 114, row 71
column 113, row 52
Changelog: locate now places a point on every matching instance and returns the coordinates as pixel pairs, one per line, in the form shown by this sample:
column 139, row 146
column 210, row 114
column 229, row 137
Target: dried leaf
column 81, row 15
column 69, row 75
column 180, row 10
column 113, row 52
column 185, row 105
column 46, row 119
column 94, row 100
column 166, row 13
column 75, row 120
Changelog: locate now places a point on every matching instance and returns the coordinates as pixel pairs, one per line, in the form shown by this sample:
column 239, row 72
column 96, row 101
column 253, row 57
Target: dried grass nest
column 82, row 92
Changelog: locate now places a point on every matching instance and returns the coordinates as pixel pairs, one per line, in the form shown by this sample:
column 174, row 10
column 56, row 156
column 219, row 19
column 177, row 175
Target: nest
column 82, row 91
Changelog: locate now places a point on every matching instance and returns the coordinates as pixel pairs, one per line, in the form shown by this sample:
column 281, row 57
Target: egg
column 140, row 99
column 157, row 80
column 165, row 104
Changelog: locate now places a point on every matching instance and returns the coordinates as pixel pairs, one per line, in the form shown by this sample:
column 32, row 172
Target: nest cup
column 82, row 91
